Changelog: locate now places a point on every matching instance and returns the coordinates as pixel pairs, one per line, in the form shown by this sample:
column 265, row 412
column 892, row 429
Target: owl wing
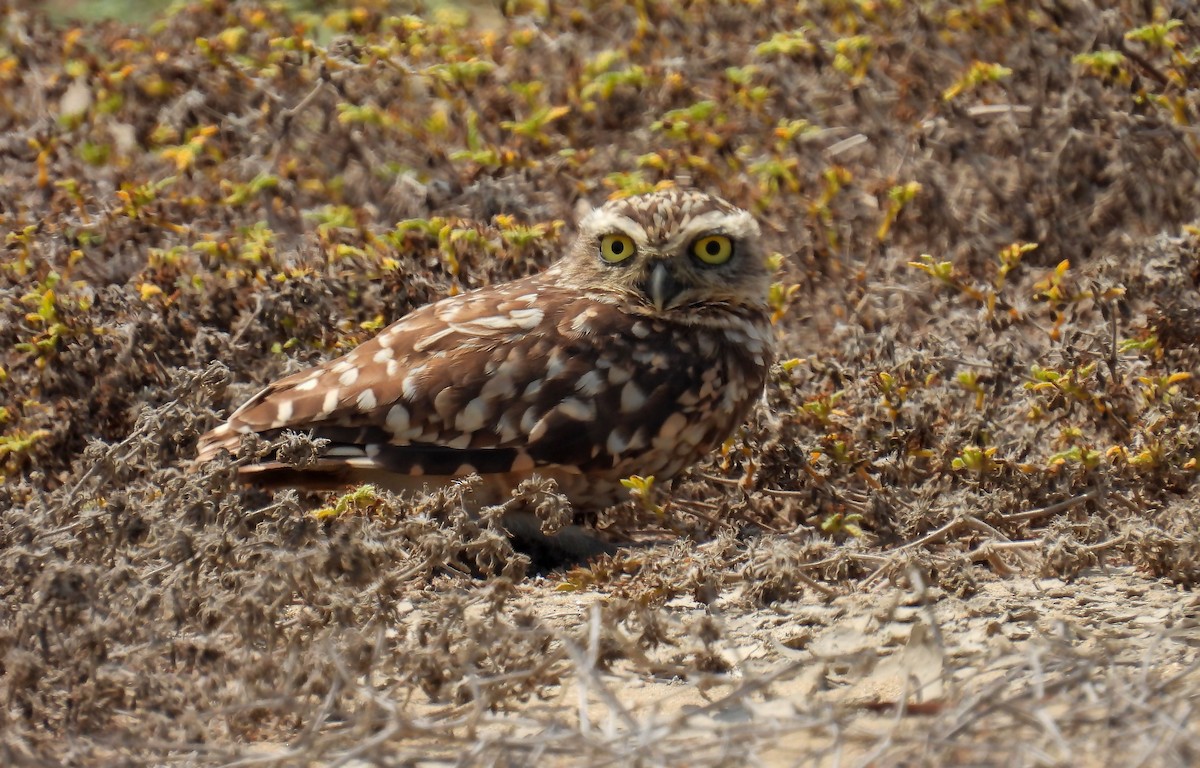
column 506, row 379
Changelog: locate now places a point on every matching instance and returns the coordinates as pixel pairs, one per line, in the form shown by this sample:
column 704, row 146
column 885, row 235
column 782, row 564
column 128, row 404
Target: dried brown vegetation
column 961, row 530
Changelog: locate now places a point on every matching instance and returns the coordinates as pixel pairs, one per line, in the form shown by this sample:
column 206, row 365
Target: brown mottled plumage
column 637, row 353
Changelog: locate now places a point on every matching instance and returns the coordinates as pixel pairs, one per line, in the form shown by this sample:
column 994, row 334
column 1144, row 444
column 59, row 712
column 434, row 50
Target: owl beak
column 661, row 287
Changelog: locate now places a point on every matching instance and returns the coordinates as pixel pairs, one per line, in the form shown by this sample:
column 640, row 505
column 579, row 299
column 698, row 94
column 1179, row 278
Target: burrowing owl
column 637, row 353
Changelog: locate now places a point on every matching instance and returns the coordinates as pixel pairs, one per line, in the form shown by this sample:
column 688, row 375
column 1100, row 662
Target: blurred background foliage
column 142, row 11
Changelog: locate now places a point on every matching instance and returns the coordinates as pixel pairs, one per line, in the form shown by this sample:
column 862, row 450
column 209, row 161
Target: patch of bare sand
column 1026, row 671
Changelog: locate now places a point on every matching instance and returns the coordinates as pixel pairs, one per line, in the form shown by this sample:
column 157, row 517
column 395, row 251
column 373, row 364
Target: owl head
column 673, row 253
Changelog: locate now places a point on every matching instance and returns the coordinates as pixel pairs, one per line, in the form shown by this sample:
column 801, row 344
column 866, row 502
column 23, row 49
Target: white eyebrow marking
column 714, row 222
column 602, row 221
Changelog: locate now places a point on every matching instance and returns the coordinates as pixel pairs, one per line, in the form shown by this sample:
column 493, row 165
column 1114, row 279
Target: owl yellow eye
column 616, row 248
column 713, row 250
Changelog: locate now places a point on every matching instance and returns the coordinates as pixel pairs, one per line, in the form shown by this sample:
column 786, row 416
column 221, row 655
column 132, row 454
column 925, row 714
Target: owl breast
column 688, row 389
column 658, row 395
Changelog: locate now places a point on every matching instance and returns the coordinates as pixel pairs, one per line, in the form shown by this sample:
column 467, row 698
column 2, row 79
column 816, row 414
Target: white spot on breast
column 640, row 330
column 619, row 374
column 539, row 429
column 693, row 434
column 348, row 377
column 556, row 364
column 528, row 298
column 590, row 384
column 671, row 427
column 393, row 368
column 576, row 409
column 711, row 382
column 470, row 418
column 397, row 420
column 329, row 405
column 307, row 384
column 529, row 419
column 383, row 355
column 617, row 443
column 736, row 338
column 284, row 414
column 366, row 399
column 632, row 397
column 735, row 394
column 459, row 442
column 532, row 389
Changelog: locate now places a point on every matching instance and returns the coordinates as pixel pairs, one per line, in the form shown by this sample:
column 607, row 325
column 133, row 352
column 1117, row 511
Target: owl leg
column 571, row 545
